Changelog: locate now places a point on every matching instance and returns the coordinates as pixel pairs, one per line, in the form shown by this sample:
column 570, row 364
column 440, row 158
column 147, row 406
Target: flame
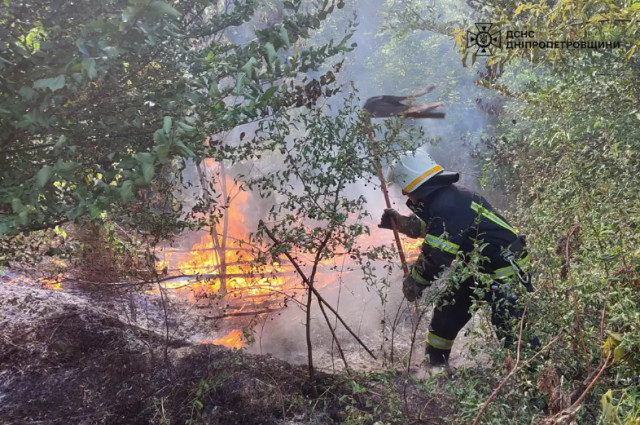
column 54, row 283
column 232, row 340
column 219, row 264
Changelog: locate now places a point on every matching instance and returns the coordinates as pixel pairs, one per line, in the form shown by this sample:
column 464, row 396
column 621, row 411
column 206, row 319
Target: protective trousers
column 453, row 312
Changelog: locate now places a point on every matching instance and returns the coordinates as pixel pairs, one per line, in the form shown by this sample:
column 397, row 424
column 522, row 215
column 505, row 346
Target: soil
column 72, row 358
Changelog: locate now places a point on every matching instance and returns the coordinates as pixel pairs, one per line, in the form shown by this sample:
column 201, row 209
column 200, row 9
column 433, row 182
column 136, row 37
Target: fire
column 219, row 265
column 232, row 340
column 53, row 283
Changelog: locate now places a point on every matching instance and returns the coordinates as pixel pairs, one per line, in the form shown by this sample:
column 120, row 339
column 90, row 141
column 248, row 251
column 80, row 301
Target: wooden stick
column 385, row 192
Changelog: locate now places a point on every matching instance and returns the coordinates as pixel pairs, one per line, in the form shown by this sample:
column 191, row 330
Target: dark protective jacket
column 455, row 218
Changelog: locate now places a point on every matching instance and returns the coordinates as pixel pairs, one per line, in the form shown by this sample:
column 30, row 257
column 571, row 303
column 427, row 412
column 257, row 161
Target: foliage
column 570, row 141
column 101, row 100
column 567, row 146
column 317, row 213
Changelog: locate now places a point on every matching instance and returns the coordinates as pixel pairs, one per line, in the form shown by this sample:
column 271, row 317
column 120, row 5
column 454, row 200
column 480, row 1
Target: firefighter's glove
column 411, row 226
column 411, row 288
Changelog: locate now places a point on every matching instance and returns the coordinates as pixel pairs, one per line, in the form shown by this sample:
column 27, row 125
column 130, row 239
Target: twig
column 335, row 339
column 516, row 368
column 315, row 291
column 424, row 408
column 284, row 412
column 593, row 382
column 308, row 332
column 242, row 313
column 582, row 385
column 414, row 332
column 166, row 322
column 571, row 410
column 394, row 325
column 602, row 317
column 520, row 337
column 576, row 313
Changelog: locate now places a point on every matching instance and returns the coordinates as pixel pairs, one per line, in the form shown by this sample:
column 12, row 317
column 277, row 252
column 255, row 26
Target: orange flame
column 232, row 340
column 226, row 267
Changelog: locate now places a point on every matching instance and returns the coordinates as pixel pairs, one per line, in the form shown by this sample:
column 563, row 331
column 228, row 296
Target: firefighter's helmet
column 414, row 169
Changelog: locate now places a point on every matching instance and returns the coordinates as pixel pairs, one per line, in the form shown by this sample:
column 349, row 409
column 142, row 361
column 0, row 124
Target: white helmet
column 414, row 169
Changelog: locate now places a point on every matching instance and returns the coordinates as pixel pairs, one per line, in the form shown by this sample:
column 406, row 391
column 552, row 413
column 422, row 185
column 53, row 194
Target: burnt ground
column 63, row 360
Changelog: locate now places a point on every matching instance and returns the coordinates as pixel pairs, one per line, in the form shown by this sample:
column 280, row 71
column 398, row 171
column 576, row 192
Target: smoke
column 382, row 63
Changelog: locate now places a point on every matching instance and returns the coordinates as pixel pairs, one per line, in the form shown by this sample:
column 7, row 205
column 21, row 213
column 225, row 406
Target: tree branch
column 315, row 291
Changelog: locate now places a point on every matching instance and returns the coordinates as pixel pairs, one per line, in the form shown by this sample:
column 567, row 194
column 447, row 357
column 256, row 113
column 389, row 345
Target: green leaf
column 111, row 52
column 128, row 13
column 162, row 151
column 27, row 93
column 185, row 127
column 16, row 205
column 126, row 191
column 75, row 212
column 94, row 211
column 239, row 83
column 62, row 140
column 145, row 157
column 66, row 167
column 52, row 84
column 23, row 217
column 267, row 95
column 183, row 150
column 148, row 170
column 43, row 176
column 284, row 36
column 166, row 124
column 248, row 67
column 160, row 137
column 89, row 68
column 270, row 52
column 162, row 7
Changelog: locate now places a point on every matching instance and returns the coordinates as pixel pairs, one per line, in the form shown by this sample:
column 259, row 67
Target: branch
column 593, row 382
column 515, row 369
column 315, row 291
column 571, row 410
column 578, row 322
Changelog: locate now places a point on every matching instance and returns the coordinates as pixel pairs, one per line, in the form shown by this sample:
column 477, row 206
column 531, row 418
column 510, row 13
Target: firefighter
column 451, row 219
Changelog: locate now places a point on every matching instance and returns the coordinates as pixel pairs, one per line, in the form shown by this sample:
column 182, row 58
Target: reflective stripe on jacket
column 456, row 217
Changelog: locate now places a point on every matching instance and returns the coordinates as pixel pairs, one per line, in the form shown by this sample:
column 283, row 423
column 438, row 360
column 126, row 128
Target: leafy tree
column 100, row 98
column 317, row 215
